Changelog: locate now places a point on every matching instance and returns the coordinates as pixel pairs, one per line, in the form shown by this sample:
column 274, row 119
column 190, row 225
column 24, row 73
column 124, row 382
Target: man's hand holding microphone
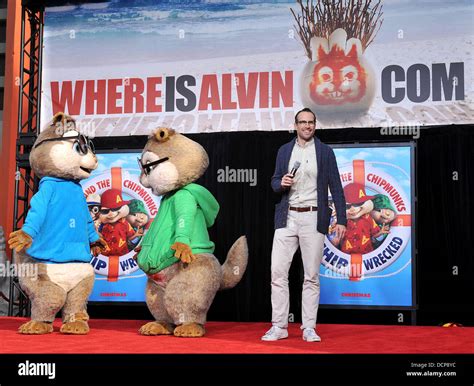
column 287, row 179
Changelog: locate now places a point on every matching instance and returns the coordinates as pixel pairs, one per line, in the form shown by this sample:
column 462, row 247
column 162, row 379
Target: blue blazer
column 328, row 176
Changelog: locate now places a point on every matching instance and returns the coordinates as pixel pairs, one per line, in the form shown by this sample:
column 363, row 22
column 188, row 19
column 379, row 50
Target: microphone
column 296, row 166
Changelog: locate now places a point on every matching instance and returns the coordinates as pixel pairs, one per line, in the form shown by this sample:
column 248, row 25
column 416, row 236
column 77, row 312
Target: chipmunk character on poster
column 59, row 232
column 372, row 263
column 176, row 253
column 122, row 209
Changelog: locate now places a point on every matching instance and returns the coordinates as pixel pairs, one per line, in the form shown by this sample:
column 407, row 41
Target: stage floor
column 121, row 336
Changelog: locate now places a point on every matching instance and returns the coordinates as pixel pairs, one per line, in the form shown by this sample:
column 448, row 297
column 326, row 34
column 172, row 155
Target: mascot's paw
column 78, row 327
column 137, row 252
column 191, row 330
column 36, row 328
column 183, row 252
column 99, row 246
column 156, row 328
column 19, row 241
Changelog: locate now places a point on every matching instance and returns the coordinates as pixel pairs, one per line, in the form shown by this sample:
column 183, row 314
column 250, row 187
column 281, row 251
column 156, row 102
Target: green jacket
column 184, row 216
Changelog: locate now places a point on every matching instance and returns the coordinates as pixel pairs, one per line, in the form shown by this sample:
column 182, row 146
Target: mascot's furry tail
column 234, row 266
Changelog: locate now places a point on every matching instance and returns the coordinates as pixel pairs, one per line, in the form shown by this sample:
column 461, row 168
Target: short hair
column 305, row 110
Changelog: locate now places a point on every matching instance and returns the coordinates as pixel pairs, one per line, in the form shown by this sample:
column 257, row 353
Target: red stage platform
column 121, row 336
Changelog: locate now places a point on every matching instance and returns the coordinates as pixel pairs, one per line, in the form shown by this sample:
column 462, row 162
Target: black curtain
column 444, row 269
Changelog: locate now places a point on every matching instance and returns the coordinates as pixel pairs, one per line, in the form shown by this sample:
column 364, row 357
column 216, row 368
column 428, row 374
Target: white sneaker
column 275, row 333
column 309, row 335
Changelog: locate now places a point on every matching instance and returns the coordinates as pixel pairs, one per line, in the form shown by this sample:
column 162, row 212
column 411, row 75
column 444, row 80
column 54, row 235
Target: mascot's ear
column 58, row 117
column 64, row 122
column 162, row 134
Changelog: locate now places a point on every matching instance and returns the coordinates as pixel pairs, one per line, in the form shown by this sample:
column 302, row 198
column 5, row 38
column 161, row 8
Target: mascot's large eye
column 325, row 74
column 149, row 166
column 76, row 148
column 325, row 77
column 349, row 73
column 148, row 163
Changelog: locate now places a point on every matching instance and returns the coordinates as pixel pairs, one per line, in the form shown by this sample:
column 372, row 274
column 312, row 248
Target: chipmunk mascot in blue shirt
column 58, row 235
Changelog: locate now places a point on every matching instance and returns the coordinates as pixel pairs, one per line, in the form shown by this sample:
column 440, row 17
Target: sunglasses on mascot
column 148, row 167
column 94, row 209
column 106, row 211
column 81, row 143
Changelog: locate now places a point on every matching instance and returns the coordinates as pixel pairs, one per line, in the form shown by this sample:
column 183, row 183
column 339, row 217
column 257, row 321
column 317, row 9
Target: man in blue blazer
column 305, row 169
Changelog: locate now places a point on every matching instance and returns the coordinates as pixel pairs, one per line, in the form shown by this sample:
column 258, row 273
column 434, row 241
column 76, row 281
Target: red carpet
column 121, row 336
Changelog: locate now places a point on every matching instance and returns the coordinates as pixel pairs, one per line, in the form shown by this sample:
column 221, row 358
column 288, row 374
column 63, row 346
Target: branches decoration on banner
column 361, row 19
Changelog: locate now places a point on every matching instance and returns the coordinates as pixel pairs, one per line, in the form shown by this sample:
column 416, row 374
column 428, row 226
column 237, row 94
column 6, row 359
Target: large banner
column 126, row 67
column 122, row 210
column 372, row 264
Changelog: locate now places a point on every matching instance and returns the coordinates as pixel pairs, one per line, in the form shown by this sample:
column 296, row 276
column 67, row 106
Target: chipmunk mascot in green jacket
column 176, row 252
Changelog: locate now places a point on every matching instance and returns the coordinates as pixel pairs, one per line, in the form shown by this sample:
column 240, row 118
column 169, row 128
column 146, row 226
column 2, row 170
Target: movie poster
column 127, row 67
column 122, row 210
column 373, row 264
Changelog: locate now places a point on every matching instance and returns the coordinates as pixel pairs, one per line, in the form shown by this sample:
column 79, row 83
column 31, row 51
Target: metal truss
column 28, row 128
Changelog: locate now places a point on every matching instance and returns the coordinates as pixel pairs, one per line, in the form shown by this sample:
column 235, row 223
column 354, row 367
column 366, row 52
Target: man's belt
column 305, row 209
